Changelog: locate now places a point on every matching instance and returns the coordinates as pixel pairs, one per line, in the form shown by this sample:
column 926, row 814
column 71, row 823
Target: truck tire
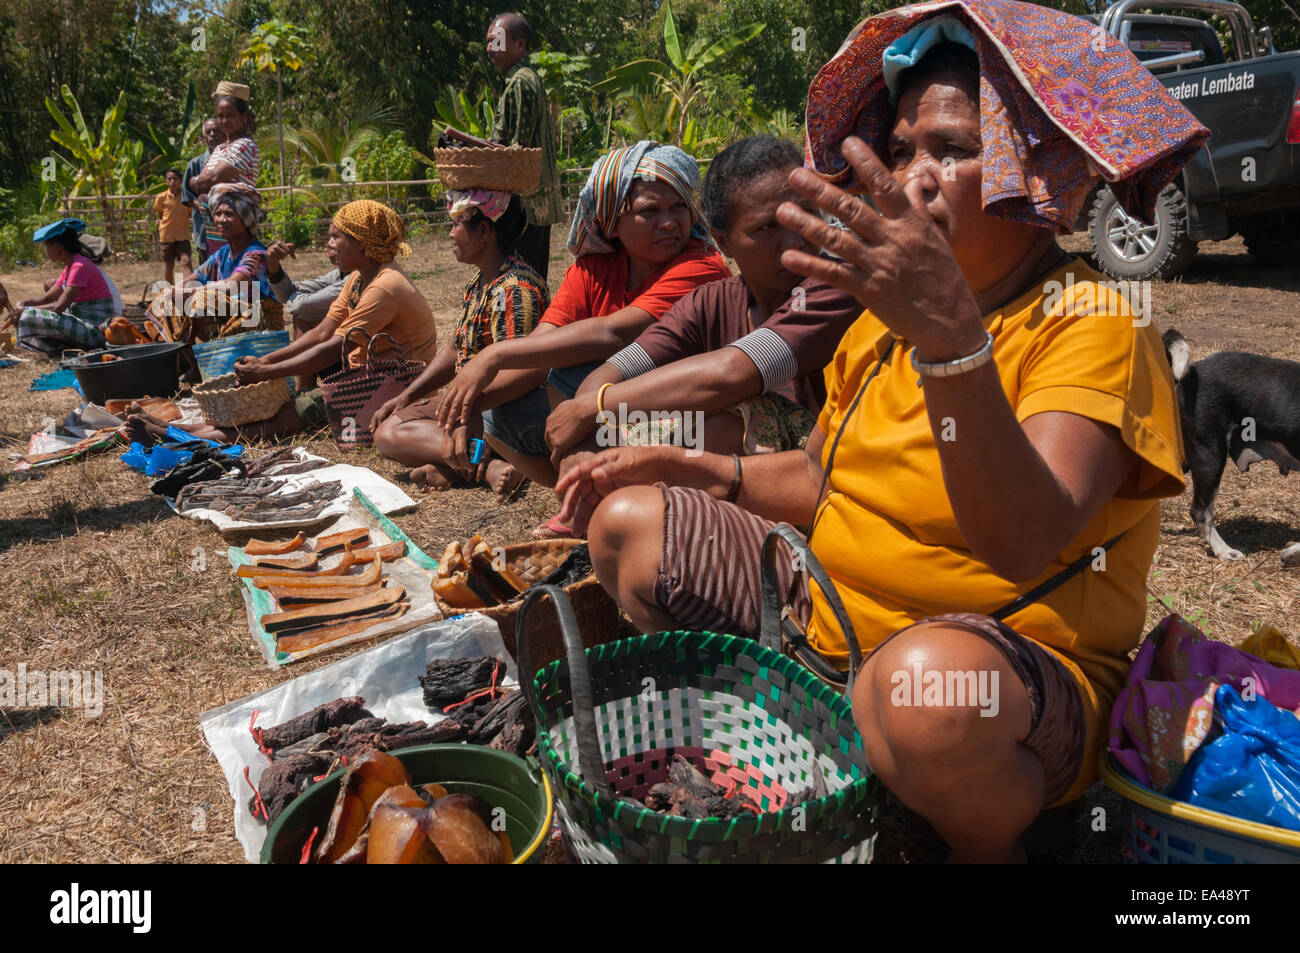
column 1275, row 243
column 1126, row 247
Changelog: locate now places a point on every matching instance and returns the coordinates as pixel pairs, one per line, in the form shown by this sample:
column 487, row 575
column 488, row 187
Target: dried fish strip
column 279, row 621
column 268, row 460
column 262, row 547
column 303, row 639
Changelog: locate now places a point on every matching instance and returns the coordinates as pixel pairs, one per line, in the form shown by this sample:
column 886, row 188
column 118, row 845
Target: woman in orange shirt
column 365, row 237
column 996, row 418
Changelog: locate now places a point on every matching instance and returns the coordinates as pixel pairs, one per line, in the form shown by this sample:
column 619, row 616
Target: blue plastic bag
column 1251, row 770
column 162, row 458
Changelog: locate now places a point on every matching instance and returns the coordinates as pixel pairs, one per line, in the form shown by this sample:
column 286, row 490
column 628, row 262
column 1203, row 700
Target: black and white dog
column 1238, row 405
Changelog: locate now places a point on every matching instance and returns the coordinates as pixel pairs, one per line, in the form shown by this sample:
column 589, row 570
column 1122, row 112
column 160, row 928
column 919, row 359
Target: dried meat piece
column 447, row 681
column 341, row 711
column 510, row 709
column 285, row 779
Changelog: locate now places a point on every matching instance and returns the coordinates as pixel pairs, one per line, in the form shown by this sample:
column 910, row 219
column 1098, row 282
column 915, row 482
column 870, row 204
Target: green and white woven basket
column 739, row 711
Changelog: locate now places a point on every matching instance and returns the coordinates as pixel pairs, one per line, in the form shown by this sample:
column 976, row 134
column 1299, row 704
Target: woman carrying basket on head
column 365, row 237
column 235, row 160
column 1044, row 425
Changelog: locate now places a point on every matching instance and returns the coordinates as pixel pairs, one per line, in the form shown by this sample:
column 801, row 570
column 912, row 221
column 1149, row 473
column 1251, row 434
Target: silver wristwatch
column 959, row 366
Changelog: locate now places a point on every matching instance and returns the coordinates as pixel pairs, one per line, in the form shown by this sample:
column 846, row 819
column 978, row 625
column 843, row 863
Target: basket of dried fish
column 225, row 404
column 474, row 576
column 695, row 747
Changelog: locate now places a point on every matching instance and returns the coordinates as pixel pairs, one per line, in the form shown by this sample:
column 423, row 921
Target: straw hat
column 237, row 90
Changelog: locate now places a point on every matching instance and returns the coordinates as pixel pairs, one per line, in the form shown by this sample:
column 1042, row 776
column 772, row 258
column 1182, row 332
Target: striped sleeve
column 775, row 361
column 632, row 361
column 521, row 305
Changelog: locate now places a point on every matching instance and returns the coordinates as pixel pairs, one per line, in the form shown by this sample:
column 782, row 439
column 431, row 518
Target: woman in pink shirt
column 77, row 306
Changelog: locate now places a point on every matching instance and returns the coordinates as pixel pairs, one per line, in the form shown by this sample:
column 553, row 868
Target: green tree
column 683, row 78
column 274, row 47
column 105, row 162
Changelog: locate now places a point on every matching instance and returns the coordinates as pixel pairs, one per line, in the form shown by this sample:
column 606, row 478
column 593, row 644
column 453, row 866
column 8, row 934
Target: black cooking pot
column 140, row 370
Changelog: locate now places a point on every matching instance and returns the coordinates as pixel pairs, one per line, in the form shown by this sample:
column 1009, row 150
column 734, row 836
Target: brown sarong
column 709, row 580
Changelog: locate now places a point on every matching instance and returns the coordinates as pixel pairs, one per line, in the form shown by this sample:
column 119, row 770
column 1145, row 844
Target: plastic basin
column 500, row 779
column 140, row 370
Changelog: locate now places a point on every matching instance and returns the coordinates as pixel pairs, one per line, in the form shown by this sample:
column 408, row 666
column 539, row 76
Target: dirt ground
column 103, row 577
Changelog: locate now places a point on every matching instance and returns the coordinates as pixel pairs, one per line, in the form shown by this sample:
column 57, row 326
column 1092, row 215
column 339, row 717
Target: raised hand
column 894, row 259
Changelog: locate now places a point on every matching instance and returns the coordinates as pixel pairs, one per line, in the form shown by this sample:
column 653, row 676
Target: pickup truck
column 1246, row 180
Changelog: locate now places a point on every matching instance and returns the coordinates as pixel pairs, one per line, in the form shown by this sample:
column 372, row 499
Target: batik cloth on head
column 376, row 226
column 604, row 198
column 1062, row 104
column 491, row 203
column 244, row 199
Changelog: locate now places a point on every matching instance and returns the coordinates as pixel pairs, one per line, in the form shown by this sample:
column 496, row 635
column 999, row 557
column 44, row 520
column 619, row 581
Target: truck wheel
column 1275, row 243
column 1126, row 247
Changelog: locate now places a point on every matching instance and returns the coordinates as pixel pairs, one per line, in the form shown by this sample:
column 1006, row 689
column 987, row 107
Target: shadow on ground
column 15, row 720
column 64, row 519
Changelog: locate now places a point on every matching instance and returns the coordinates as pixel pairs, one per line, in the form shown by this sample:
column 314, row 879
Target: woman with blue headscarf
column 73, row 312
column 640, row 244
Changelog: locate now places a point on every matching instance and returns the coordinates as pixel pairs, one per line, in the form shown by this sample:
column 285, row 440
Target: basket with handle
column 611, row 717
column 595, row 612
column 500, row 168
column 353, row 394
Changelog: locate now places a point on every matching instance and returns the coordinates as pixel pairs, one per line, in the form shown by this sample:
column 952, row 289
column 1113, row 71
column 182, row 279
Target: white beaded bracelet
column 959, row 366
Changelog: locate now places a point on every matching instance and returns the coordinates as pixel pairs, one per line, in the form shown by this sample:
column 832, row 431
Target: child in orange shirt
column 173, row 225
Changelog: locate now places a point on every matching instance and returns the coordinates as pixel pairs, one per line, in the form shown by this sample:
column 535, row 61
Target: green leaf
column 729, row 43
column 636, row 76
column 672, row 42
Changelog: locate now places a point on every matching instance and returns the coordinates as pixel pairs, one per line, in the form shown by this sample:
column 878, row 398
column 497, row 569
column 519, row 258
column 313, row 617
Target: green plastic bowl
column 500, row 779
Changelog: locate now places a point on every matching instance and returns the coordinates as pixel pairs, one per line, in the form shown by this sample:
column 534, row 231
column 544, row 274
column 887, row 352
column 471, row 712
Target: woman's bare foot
column 143, row 429
column 433, row 476
column 504, row 479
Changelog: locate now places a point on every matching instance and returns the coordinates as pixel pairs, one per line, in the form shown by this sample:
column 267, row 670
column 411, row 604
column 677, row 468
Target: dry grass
column 103, row 578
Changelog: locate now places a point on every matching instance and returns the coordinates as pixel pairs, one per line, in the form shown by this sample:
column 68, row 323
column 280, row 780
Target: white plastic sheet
column 386, row 676
column 387, row 497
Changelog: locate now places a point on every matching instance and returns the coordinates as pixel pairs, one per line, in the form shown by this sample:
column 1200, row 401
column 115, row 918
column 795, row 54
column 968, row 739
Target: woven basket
column 596, row 613
column 1159, row 830
column 226, row 405
column 610, row 719
column 512, row 169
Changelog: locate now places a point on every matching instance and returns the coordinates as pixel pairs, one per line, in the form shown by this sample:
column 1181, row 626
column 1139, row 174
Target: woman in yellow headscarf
column 365, row 237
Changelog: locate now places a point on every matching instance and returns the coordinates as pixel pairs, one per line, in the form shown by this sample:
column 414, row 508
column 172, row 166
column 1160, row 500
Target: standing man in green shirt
column 524, row 118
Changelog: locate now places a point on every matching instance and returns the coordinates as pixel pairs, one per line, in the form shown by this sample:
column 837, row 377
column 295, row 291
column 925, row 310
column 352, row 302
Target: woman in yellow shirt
column 996, row 416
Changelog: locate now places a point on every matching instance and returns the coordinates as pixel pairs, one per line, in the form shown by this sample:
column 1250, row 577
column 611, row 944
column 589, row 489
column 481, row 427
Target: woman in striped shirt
column 235, row 160
column 503, row 301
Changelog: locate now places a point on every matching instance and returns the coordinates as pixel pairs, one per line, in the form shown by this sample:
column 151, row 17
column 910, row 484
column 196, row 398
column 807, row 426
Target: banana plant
column 104, row 162
column 682, row 79
column 476, row 117
column 169, row 151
